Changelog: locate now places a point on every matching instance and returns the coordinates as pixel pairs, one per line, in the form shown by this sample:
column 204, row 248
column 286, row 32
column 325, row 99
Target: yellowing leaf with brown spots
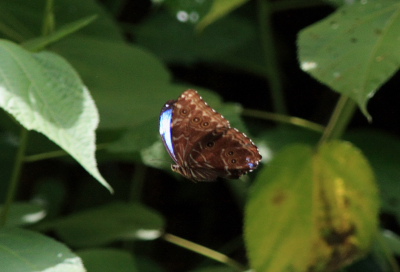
column 311, row 210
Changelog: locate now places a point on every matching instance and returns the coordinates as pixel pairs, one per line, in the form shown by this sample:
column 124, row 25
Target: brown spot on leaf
column 278, row 198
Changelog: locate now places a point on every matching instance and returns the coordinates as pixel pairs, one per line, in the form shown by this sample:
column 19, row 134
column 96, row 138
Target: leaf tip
column 364, row 111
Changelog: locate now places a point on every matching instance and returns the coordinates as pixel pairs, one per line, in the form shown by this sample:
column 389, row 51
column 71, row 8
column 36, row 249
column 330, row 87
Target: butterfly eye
column 233, row 160
column 230, row 153
column 210, row 144
column 196, row 120
column 205, row 124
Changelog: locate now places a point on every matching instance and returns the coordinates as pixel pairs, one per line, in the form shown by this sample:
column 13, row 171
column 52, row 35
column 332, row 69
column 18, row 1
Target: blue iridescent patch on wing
column 250, row 164
column 166, row 129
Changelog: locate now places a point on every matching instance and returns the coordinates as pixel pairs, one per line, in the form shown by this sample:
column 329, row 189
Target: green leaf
column 188, row 11
column 50, row 191
column 216, row 268
column 146, row 263
column 382, row 150
column 108, row 223
column 23, row 250
column 224, row 39
column 219, row 9
column 133, row 140
column 392, row 240
column 128, row 83
column 44, row 93
column 40, row 43
column 311, row 211
column 24, row 213
column 280, row 137
column 23, row 19
column 355, row 50
column 106, row 260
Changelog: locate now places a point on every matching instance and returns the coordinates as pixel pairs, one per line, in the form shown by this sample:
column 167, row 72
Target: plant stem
column 14, row 177
column 274, row 75
column 48, row 18
column 215, row 255
column 56, row 154
column 46, row 155
column 340, row 118
column 10, row 32
column 285, row 119
column 137, row 182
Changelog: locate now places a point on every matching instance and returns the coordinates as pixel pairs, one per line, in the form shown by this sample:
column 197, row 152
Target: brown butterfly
column 202, row 143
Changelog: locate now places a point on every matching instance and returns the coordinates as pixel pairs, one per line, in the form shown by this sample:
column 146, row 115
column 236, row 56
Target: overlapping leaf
column 23, row 250
column 105, row 260
column 116, row 221
column 355, row 50
column 44, row 93
column 24, row 213
column 311, row 211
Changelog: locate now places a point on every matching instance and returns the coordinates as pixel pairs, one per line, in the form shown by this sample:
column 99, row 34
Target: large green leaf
column 219, row 9
column 311, row 211
column 127, row 82
column 275, row 139
column 22, row 20
column 24, row 213
column 392, row 240
column 215, row 268
column 40, row 43
column 181, row 44
column 116, row 221
column 355, row 50
column 44, row 93
column 188, row 11
column 106, row 260
column 383, row 151
column 23, row 250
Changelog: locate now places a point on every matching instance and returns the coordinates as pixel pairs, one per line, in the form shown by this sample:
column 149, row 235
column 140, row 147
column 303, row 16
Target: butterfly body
column 202, row 143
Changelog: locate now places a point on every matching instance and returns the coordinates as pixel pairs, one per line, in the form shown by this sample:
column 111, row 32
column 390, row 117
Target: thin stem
column 285, row 119
column 340, row 118
column 137, row 182
column 212, row 254
column 12, row 189
column 45, row 156
column 48, row 18
column 13, row 28
column 56, row 154
column 10, row 32
column 274, row 75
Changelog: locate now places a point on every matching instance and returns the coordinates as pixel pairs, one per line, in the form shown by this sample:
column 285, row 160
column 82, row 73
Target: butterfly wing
column 225, row 153
column 201, row 141
column 193, row 119
column 166, row 117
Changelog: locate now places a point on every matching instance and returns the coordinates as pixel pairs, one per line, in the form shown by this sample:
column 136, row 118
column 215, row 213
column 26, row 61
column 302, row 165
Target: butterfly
column 202, row 143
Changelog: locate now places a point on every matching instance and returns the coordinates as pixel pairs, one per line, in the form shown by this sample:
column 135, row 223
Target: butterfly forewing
column 192, row 120
column 165, row 127
column 202, row 143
